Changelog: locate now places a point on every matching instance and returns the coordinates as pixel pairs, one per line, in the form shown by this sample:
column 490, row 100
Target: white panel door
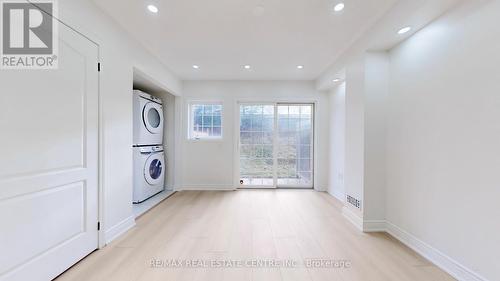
column 49, row 163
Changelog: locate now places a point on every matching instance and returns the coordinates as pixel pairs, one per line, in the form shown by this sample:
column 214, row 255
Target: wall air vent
column 353, row 201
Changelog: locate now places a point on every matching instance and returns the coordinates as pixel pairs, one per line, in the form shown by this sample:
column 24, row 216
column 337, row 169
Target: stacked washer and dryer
column 149, row 158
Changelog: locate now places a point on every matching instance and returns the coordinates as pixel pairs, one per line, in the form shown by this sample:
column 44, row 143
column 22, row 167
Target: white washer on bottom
column 149, row 172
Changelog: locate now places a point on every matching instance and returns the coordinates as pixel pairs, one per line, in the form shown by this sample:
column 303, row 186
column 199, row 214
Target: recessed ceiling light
column 337, row 80
column 339, row 7
column 196, row 66
column 247, row 66
column 153, row 9
column 300, row 66
column 404, row 30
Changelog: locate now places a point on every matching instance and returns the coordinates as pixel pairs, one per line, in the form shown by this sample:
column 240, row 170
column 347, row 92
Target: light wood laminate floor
column 247, row 226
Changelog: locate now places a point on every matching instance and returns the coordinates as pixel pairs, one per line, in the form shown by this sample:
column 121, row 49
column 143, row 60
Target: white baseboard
column 207, row 187
column 374, row 226
column 441, row 260
column 120, row 228
column 339, row 196
column 435, row 256
column 353, row 218
column 320, row 189
column 140, row 209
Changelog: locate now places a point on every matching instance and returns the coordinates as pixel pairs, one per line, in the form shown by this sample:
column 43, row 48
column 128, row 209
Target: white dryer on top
column 148, row 119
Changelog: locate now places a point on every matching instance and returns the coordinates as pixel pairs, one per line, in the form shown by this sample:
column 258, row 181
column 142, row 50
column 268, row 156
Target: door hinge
column 98, row 225
column 99, row 66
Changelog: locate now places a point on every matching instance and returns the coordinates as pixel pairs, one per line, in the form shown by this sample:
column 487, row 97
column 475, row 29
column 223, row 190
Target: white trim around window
column 205, row 120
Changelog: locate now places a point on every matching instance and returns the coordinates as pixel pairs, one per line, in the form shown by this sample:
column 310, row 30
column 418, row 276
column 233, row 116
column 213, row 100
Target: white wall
column 169, row 138
column 367, row 81
column 337, row 142
column 376, row 91
column 355, row 130
column 444, row 136
column 119, row 54
column 210, row 164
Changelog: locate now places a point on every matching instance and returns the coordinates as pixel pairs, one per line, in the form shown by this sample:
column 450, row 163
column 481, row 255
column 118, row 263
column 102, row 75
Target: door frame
column 236, row 146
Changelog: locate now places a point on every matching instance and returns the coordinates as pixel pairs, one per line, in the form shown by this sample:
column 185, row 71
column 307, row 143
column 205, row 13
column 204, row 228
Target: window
column 205, row 120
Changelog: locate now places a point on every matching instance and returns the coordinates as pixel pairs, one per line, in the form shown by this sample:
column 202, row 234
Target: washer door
column 153, row 168
column 152, row 117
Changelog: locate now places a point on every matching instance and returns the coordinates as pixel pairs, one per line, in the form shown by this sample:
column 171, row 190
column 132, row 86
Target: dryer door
column 154, row 168
column 152, row 117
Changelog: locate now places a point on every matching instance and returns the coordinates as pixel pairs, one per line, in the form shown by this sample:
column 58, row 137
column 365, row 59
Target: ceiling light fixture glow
column 300, row 66
column 339, row 7
column 247, row 66
column 196, row 66
column 404, row 30
column 153, row 9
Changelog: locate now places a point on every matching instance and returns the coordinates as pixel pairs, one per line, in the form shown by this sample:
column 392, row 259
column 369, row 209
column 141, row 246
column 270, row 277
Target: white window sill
column 205, row 140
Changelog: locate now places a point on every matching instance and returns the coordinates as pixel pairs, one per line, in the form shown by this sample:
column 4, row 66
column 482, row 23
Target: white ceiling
column 273, row 36
column 383, row 34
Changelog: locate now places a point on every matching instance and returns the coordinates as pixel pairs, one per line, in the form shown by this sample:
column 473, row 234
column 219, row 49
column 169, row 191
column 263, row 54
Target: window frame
column 190, row 131
column 314, row 141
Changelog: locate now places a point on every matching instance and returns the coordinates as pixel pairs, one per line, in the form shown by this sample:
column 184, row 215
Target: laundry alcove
column 145, row 83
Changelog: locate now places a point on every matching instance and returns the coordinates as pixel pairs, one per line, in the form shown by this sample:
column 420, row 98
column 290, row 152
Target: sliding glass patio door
column 257, row 127
column 295, row 145
column 276, row 145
